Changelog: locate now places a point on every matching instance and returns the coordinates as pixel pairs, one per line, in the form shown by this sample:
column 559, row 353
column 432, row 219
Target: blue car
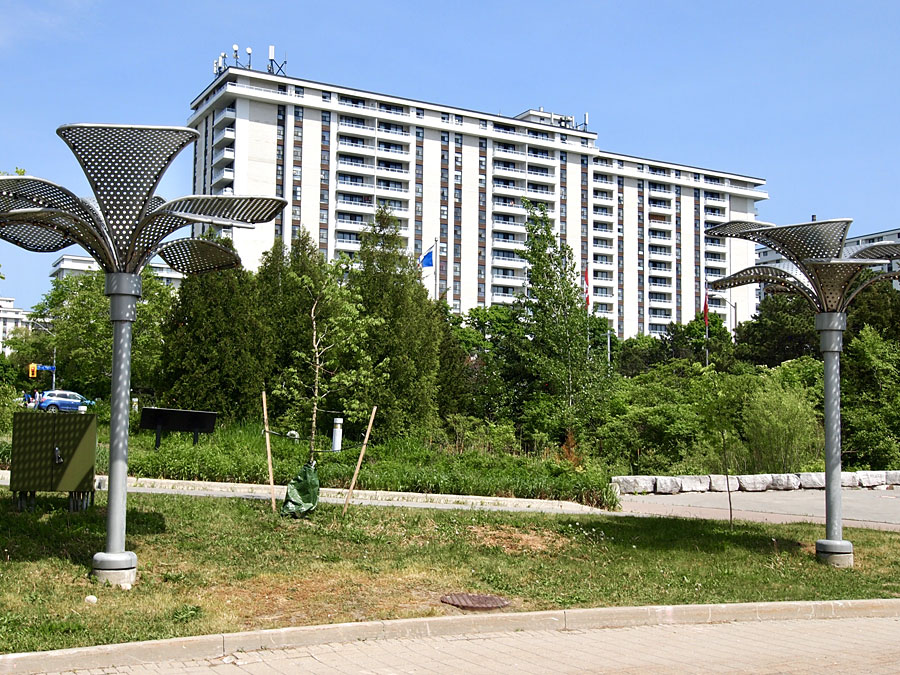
column 60, row 400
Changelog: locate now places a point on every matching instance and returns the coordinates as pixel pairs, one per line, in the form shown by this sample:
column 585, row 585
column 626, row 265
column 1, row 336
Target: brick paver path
column 804, row 646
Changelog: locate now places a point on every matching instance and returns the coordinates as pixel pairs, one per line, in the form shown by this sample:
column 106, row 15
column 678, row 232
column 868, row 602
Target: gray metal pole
column 54, row 368
column 117, row 565
column 834, row 550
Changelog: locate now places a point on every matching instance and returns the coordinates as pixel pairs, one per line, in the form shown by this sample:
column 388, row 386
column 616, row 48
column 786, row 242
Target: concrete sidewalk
column 684, row 638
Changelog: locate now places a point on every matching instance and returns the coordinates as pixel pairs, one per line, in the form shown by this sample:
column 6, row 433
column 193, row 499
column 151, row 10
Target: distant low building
column 11, row 317
column 70, row 265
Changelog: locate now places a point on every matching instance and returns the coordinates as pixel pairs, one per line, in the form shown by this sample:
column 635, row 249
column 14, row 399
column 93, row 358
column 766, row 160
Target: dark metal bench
column 170, row 419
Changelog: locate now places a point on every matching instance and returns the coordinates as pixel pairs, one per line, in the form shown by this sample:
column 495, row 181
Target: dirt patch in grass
column 512, row 540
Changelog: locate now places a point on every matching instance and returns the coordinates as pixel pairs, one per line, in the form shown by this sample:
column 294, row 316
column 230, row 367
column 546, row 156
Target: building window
column 420, row 112
column 323, row 196
column 457, row 139
column 323, row 216
column 459, row 119
column 326, row 95
column 420, row 133
column 323, row 235
column 325, row 176
column 298, row 112
column 326, row 138
column 445, row 137
column 298, row 173
column 445, row 117
column 326, row 117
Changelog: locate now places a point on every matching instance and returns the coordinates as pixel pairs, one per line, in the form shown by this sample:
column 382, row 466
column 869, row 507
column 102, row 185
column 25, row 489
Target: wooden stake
column 359, row 461
column 268, row 449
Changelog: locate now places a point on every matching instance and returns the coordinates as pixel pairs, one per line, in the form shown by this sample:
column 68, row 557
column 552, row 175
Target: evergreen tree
column 214, row 346
column 405, row 347
column 783, row 329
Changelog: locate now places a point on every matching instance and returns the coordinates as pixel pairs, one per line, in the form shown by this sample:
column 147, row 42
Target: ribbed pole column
column 117, row 565
column 833, row 550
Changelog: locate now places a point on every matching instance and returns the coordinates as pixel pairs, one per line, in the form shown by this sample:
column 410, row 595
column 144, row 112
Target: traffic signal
column 32, row 370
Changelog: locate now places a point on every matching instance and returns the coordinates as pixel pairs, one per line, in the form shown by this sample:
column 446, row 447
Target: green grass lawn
column 209, row 565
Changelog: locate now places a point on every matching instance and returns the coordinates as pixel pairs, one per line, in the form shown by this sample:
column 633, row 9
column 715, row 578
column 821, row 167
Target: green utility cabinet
column 53, row 453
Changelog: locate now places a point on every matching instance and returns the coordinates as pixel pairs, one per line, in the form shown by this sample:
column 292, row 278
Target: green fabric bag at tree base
column 302, row 494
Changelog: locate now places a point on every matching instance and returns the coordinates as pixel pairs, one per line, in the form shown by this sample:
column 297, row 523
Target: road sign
column 41, row 367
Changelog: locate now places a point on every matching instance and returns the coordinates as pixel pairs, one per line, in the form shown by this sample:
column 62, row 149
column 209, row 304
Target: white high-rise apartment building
column 458, row 177
column 11, row 317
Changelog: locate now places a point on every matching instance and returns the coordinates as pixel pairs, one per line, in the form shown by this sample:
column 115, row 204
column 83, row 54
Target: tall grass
column 236, row 453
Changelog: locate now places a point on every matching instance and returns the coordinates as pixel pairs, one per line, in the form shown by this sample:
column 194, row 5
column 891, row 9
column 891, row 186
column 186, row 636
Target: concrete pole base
column 117, row 569
column 834, row 553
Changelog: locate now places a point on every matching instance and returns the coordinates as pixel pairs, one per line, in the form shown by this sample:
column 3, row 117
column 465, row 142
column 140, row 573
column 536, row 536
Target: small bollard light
column 337, row 434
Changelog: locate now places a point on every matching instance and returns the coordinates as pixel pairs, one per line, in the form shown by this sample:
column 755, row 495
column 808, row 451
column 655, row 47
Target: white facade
column 11, row 317
column 458, row 177
column 68, row 265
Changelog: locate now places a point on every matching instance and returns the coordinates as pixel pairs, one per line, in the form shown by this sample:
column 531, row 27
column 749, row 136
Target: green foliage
column 213, row 346
column 10, row 402
column 783, row 329
column 75, row 319
column 404, row 348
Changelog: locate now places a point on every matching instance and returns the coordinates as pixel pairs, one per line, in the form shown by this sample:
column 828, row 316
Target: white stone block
column 668, row 485
column 694, row 483
column 813, row 481
column 631, row 485
column 717, row 483
column 785, row 481
column 759, row 482
column 849, row 479
column 871, row 478
column 892, row 477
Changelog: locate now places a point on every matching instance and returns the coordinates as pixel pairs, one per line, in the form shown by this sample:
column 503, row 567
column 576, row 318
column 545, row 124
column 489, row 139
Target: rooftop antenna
column 274, row 67
column 249, row 57
column 222, row 62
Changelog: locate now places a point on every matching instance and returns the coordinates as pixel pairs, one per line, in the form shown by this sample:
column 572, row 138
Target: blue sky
column 803, row 94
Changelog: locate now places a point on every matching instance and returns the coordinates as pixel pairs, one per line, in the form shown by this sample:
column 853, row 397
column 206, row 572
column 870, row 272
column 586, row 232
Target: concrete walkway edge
column 220, row 645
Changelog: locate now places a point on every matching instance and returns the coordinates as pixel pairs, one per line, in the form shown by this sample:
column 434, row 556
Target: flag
column 427, row 260
column 587, row 290
column 706, row 310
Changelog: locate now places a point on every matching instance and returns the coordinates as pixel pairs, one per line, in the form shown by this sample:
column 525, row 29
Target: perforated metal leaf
column 124, row 165
column 49, row 222
column 888, row 250
column 197, row 256
column 32, row 237
column 222, row 210
column 767, row 274
column 835, row 278
column 27, row 192
column 886, row 276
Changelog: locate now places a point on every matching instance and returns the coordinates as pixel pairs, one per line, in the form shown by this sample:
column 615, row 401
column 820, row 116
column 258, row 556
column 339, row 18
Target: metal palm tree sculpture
column 820, row 268
column 123, row 232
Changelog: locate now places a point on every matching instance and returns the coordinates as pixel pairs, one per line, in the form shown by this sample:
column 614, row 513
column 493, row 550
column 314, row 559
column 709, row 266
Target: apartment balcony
column 541, row 158
column 660, row 269
column 717, row 243
column 500, row 188
column 350, row 224
column 393, row 189
column 604, row 260
column 392, row 170
column 354, row 164
column 508, row 207
column 223, row 137
column 392, row 110
column 225, row 116
column 660, row 282
column 346, row 244
column 356, row 127
column 604, row 198
column 602, row 227
column 358, row 103
column 715, row 258
column 355, row 186
column 509, row 279
column 603, row 244
column 392, row 150
column 659, row 207
column 659, row 300
column 222, row 178
column 519, row 263
column 544, row 177
column 502, row 298
column 356, row 146
column 542, row 193
column 715, row 200
column 354, row 206
column 394, row 132
column 507, row 152
column 395, row 208
column 508, row 244
column 223, row 156
column 662, row 236
column 713, row 215
column 714, row 272
column 659, row 251
column 507, row 226
column 603, row 180
column 660, row 314
column 501, row 170
column 661, row 189
column 660, row 223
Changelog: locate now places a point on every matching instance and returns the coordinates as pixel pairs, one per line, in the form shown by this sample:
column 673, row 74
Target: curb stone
column 221, row 645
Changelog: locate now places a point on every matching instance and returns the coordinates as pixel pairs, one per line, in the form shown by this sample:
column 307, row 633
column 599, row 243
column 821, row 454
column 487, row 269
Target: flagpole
column 436, row 259
column 706, row 321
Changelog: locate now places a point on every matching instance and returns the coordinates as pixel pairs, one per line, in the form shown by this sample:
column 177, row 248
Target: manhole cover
column 472, row 601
